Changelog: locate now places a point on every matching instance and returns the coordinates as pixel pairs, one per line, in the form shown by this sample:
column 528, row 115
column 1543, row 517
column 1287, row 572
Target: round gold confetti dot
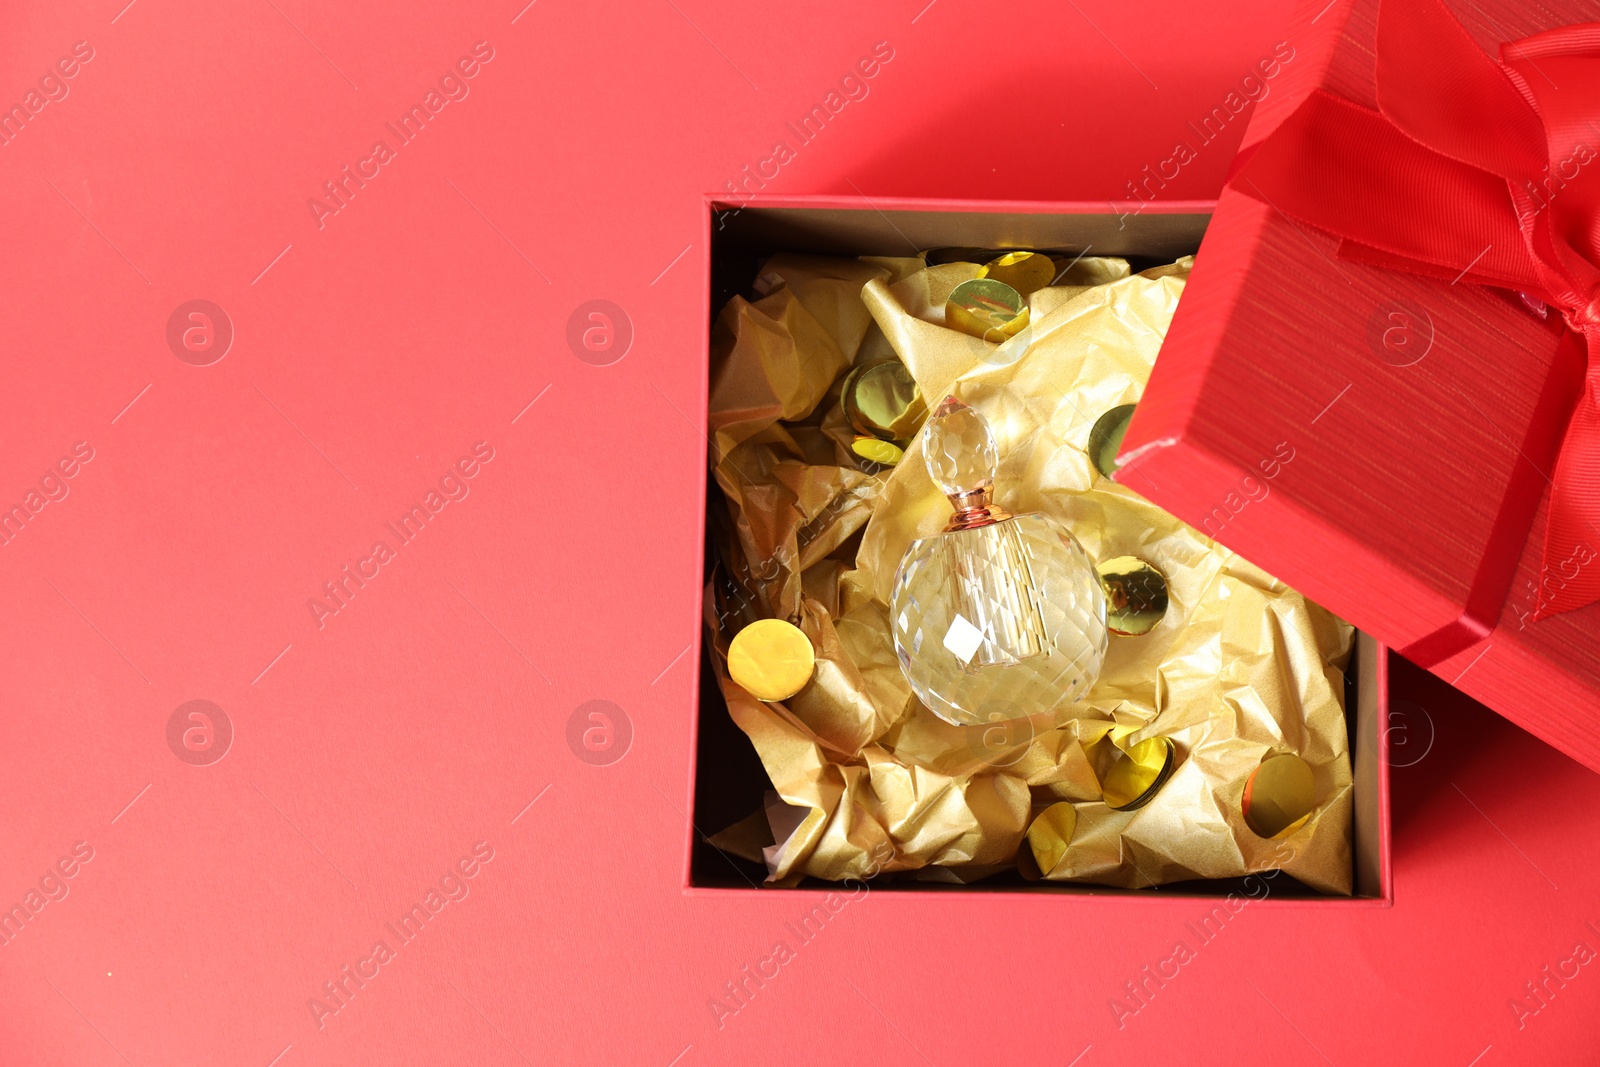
column 986, row 308
column 1105, row 439
column 1050, row 835
column 1136, row 595
column 1279, row 796
column 886, row 452
column 882, row 400
column 1026, row 272
column 771, row 659
column 1138, row 774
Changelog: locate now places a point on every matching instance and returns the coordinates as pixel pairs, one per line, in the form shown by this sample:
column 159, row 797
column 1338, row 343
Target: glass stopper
column 960, row 451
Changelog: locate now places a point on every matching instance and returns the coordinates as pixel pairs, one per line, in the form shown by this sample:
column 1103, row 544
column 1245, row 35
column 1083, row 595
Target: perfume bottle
column 1000, row 616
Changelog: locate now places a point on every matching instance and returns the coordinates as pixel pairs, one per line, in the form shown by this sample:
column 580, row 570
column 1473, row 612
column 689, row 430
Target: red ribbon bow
column 1478, row 171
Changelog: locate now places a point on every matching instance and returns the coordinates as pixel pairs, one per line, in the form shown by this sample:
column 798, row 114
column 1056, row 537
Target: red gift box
column 728, row 780
column 1382, row 439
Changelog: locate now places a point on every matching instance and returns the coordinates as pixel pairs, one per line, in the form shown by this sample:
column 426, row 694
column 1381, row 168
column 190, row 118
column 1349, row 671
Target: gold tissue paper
column 868, row 782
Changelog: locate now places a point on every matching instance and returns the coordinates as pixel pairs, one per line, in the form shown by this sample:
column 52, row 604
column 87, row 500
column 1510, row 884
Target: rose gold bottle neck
column 973, row 510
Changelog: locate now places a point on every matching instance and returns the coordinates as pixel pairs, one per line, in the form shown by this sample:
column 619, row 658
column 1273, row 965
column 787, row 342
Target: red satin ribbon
column 1486, row 172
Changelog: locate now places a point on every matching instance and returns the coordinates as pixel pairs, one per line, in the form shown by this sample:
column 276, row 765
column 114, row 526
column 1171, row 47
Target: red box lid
column 1377, row 438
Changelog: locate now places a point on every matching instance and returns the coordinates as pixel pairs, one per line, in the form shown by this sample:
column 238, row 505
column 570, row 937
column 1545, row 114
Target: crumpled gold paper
column 867, row 780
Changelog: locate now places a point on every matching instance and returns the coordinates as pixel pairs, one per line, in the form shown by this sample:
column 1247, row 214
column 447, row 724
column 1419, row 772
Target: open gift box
column 730, row 781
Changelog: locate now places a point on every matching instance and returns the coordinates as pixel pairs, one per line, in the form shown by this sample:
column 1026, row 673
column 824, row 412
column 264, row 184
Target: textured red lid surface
column 1359, row 432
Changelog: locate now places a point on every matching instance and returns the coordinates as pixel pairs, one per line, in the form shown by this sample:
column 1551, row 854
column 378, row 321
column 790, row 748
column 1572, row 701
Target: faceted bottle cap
column 960, row 450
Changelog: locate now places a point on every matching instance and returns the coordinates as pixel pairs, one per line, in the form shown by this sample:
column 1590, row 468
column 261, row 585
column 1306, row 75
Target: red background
column 373, row 752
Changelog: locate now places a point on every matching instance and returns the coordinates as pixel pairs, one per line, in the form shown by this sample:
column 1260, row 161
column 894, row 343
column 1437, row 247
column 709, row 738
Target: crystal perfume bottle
column 999, row 616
